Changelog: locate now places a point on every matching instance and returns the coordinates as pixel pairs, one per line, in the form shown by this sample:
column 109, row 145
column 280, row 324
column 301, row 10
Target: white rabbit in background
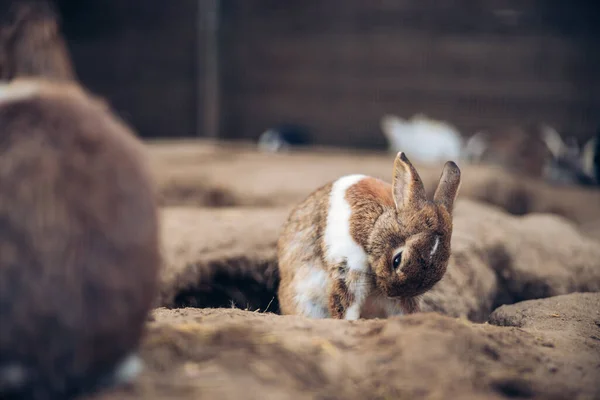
column 538, row 151
column 424, row 139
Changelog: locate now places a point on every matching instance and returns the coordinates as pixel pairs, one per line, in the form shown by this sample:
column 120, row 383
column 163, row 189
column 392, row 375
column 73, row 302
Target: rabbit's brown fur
column 31, row 44
column 336, row 249
column 79, row 241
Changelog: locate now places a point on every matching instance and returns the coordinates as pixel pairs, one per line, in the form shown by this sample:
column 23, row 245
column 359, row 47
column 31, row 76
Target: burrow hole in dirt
column 252, row 285
column 256, row 291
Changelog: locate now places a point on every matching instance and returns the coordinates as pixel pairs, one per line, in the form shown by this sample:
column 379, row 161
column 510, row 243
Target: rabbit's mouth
column 403, row 286
column 408, row 289
column 420, row 288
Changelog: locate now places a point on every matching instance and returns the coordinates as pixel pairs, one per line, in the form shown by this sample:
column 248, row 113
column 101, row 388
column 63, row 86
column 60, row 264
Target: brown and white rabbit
column 79, row 243
column 359, row 247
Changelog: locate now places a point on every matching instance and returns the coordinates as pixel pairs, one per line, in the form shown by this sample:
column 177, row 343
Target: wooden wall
column 338, row 65
column 141, row 57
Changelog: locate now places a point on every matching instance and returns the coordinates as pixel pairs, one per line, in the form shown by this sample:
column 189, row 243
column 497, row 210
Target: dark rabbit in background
column 539, row 152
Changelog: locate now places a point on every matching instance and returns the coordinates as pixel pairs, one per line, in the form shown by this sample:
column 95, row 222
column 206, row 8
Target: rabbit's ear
column 553, row 141
column 590, row 155
column 447, row 189
column 407, row 185
column 476, row 146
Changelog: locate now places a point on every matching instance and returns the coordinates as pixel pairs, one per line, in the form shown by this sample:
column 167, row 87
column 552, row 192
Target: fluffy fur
column 31, row 44
column 79, row 244
column 337, row 247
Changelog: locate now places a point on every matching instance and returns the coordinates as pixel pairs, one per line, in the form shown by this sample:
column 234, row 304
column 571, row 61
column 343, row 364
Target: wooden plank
column 348, row 119
column 493, row 56
column 209, row 89
column 142, row 60
column 512, row 17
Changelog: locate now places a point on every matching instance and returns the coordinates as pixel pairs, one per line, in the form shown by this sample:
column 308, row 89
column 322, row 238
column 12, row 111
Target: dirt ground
column 516, row 316
column 545, row 349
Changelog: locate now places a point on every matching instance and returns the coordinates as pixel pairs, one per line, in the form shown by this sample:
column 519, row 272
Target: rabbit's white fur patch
column 353, row 312
column 342, row 248
column 15, row 91
column 128, row 369
column 435, row 246
column 311, row 293
column 358, row 284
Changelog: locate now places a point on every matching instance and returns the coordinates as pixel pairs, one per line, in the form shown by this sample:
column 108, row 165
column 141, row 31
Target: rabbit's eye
column 397, row 260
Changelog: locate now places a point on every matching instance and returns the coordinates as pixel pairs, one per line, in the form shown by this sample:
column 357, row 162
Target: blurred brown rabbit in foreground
column 31, row 43
column 79, row 243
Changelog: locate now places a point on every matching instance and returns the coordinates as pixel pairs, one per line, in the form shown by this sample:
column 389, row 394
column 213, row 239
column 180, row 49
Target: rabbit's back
column 78, row 241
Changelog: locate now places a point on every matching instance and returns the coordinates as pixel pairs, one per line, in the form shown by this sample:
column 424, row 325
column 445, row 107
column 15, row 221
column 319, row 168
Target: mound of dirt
column 220, row 175
column 186, row 172
column 233, row 354
column 499, row 259
column 222, row 256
